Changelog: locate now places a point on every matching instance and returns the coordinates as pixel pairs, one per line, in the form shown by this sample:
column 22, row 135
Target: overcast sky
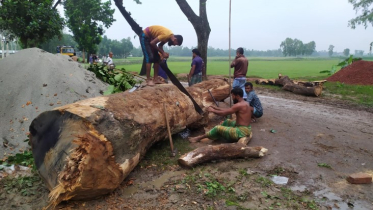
column 260, row 25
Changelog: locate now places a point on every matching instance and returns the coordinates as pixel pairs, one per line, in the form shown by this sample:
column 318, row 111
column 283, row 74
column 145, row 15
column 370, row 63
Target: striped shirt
column 254, row 101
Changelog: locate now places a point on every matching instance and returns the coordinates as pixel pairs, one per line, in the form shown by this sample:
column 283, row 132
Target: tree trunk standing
column 2, row 46
column 7, row 48
column 83, row 56
column 201, row 26
column 86, row 149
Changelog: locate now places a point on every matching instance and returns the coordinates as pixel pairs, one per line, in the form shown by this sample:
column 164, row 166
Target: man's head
column 239, row 51
column 237, row 94
column 248, row 87
column 196, row 53
column 175, row 40
column 110, row 54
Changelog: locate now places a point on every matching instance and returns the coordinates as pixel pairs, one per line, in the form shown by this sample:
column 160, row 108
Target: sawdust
column 33, row 81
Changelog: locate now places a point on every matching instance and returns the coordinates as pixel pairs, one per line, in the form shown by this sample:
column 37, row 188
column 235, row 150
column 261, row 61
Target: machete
column 176, row 82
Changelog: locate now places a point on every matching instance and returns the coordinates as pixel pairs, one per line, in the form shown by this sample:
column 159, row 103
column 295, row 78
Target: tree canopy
column 120, row 48
column 367, row 13
column 295, row 47
column 86, row 20
column 346, row 52
column 330, row 50
column 34, row 22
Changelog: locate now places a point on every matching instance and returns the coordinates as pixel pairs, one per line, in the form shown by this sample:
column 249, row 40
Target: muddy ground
column 317, row 143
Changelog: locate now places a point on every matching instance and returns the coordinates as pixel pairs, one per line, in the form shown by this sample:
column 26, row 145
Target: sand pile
column 359, row 72
column 33, row 81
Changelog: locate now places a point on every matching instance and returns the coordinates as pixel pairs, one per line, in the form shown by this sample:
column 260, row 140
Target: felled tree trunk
column 86, row 149
column 265, row 81
column 302, row 88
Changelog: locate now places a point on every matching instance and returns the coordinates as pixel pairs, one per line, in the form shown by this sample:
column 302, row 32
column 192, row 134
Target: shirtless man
column 149, row 39
column 230, row 129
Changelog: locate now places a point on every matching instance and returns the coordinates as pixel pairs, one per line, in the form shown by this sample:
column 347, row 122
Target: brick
column 360, row 178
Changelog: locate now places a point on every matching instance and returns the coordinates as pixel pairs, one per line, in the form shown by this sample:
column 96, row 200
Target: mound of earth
column 358, row 73
column 33, row 81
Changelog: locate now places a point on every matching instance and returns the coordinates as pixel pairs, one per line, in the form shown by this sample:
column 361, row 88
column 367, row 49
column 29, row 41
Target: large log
column 86, row 149
column 303, row 90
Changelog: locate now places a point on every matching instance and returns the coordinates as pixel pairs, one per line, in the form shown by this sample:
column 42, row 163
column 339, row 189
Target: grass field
column 258, row 67
column 268, row 68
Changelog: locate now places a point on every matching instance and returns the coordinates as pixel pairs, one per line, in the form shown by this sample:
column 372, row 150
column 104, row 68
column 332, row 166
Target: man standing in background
column 240, row 64
column 195, row 74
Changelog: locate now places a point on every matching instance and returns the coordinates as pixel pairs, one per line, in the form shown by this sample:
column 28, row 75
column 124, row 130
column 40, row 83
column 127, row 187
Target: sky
column 259, row 25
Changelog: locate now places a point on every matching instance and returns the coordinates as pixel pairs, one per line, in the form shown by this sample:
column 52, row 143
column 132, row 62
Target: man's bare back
column 243, row 113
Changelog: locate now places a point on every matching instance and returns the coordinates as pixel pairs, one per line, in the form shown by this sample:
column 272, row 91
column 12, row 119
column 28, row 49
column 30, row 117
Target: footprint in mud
column 324, row 136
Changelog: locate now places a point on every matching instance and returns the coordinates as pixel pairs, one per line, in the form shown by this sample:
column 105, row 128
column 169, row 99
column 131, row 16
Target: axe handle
column 213, row 99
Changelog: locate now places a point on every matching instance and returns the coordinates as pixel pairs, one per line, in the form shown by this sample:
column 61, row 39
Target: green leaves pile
column 119, row 80
column 24, row 159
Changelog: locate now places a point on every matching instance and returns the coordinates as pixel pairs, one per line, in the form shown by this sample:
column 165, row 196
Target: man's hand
column 165, row 55
column 210, row 109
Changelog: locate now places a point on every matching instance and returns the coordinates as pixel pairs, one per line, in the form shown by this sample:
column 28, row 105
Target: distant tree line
column 120, row 49
column 295, row 47
column 211, row 52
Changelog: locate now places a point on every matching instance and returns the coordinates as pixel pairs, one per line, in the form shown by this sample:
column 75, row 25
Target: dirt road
column 310, row 135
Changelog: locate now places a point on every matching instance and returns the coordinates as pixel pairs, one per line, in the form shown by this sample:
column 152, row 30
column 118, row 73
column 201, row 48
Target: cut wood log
column 265, row 81
column 221, row 151
column 86, row 149
column 303, row 90
column 283, row 80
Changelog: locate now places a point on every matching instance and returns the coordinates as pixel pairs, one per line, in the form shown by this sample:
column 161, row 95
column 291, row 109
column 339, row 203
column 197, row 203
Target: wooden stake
column 168, row 129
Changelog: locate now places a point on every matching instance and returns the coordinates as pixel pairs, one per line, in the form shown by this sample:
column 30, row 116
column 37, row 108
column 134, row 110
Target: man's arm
column 159, row 48
column 234, row 62
column 191, row 72
column 250, row 97
column 223, row 112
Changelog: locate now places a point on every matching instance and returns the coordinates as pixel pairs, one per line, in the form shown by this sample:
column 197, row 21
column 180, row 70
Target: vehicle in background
column 66, row 50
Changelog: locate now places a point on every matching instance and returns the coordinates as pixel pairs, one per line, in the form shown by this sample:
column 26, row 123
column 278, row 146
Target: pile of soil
column 358, row 73
column 33, row 81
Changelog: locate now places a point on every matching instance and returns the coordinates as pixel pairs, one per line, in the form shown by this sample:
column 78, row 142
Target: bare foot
column 194, row 139
column 150, row 82
column 158, row 81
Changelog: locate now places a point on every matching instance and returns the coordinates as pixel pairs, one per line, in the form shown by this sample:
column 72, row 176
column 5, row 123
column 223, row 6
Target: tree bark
column 83, row 57
column 56, row 4
column 86, row 149
column 201, row 26
column 213, row 152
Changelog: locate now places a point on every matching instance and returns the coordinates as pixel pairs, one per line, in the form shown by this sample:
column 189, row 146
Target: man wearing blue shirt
column 195, row 74
column 254, row 101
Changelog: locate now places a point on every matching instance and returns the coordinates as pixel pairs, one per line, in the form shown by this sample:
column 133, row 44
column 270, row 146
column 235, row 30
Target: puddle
column 300, row 188
column 337, row 202
column 157, row 183
column 164, row 178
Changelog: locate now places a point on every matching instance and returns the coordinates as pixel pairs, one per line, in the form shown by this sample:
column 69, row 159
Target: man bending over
column 230, row 129
column 149, row 39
